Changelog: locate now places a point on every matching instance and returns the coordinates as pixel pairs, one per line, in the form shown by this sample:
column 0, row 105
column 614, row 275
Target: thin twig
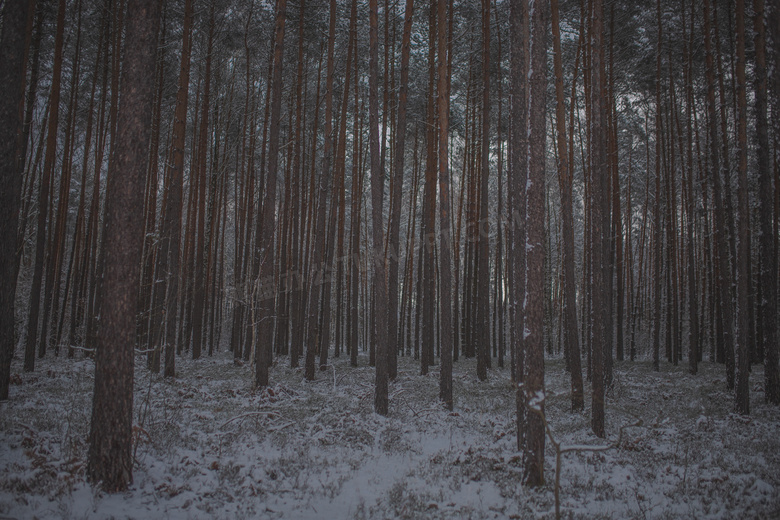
column 560, row 450
column 244, row 416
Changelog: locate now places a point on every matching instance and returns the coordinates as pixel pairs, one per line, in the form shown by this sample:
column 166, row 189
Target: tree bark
column 394, row 234
column 110, row 461
column 518, row 172
column 445, row 272
column 533, row 329
column 599, row 218
column 377, row 226
column 768, row 239
column 570, row 332
column 742, row 350
column 12, row 80
column 265, row 246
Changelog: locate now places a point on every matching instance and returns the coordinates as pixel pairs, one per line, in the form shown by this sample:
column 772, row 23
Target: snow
column 209, row 446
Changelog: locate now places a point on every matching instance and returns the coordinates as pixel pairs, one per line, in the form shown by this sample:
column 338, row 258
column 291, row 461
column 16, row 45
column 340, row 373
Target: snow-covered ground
column 208, row 446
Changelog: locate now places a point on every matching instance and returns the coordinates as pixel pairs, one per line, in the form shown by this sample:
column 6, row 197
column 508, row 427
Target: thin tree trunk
column 43, row 199
column 726, row 321
column 199, row 282
column 168, row 264
column 482, row 328
column 265, row 246
column 518, row 173
column 445, row 272
column 394, row 234
column 377, row 181
column 599, row 219
column 570, row 332
column 657, row 230
column 742, row 350
column 317, row 267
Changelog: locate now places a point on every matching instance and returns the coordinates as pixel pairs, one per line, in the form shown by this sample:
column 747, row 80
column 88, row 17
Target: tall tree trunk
column 533, row 330
column 377, row 226
column 518, row 173
column 657, row 229
column 394, row 234
column 354, row 225
column 743, row 228
column 693, row 297
column 317, row 267
column 599, row 218
column 341, row 154
column 724, row 301
column 171, row 236
column 199, row 282
column 12, row 80
column 767, row 240
column 297, row 323
column 482, row 328
column 265, row 246
column 110, row 461
column 43, row 199
column 445, row 271
column 570, row 333
column 429, row 208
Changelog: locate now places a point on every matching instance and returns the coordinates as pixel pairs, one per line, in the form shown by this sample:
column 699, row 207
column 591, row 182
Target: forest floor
column 208, row 446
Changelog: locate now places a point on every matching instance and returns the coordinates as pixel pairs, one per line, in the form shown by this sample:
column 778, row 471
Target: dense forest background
column 592, row 181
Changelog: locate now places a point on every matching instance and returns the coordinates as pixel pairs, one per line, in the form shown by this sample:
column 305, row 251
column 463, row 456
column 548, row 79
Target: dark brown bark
column 657, row 229
column 533, row 329
column 317, row 266
column 152, row 294
column 570, row 333
column 199, row 281
column 517, row 178
column 394, row 234
column 43, row 199
column 482, row 325
column 725, row 323
column 355, row 213
column 298, row 292
column 51, row 326
column 768, row 239
column 428, row 276
column 265, row 246
column 378, row 264
column 599, row 218
column 693, row 296
column 742, row 348
column 110, row 461
column 169, row 255
column 445, row 272
column 12, row 80
column 340, row 196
